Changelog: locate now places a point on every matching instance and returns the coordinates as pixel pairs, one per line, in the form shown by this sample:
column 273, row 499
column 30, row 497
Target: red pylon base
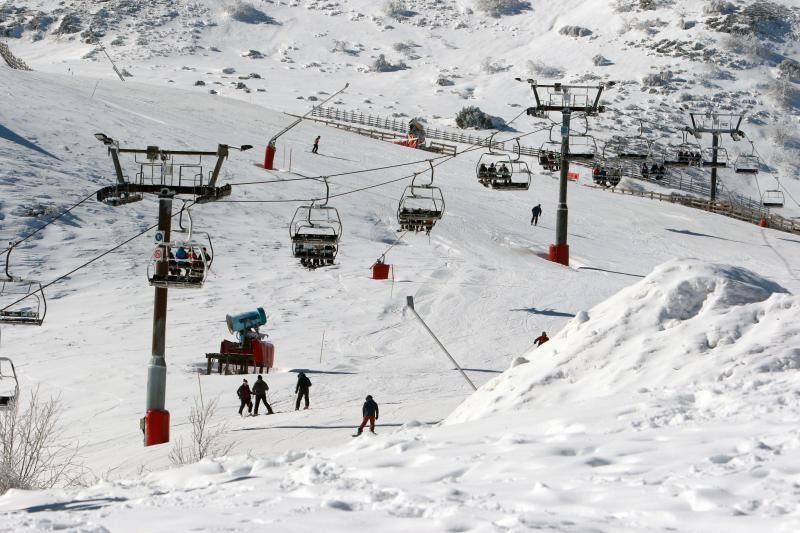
column 156, row 427
column 380, row 271
column 269, row 157
column 559, row 253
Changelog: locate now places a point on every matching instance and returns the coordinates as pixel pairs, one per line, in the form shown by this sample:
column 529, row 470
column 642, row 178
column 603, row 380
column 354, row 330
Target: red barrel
column 380, row 271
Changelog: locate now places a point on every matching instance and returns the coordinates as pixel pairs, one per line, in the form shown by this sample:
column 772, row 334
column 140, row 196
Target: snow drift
column 689, row 326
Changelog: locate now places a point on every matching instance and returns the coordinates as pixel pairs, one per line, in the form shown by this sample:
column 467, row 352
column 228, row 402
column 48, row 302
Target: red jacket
column 244, row 392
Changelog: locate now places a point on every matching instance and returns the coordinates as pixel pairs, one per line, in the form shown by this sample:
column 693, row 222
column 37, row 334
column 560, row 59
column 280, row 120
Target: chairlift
column 315, row 231
column 722, row 157
column 747, row 163
column 22, row 302
column 582, row 148
column 629, row 148
column 502, row 172
column 421, row 206
column 685, row 154
column 181, row 263
column 772, row 198
column 607, row 172
column 9, row 384
column 550, row 156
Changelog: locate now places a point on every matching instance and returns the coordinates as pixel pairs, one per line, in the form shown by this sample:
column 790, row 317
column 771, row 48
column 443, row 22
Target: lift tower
column 716, row 124
column 565, row 99
column 166, row 173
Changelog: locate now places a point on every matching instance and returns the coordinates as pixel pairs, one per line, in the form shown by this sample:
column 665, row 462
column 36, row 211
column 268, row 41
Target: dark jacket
column 243, row 392
column 370, row 408
column 303, row 383
column 260, row 387
column 536, row 211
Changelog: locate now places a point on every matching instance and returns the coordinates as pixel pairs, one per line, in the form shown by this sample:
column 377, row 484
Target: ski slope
column 667, row 58
column 479, row 280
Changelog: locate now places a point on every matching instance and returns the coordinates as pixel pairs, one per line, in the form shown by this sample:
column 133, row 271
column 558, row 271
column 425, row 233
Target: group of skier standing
column 246, row 393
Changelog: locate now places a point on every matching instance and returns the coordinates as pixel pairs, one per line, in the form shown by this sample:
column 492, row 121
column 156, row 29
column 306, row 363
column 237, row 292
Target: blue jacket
column 370, row 408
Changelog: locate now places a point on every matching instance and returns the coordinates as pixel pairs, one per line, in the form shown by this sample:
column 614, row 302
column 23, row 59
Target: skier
column 536, row 212
column 370, row 413
column 244, row 396
column 541, row 339
column 303, row 383
column 260, row 389
column 316, row 145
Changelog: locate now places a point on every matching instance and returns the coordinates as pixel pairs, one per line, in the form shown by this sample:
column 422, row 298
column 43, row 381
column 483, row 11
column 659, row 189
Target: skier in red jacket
column 243, row 393
column 541, row 339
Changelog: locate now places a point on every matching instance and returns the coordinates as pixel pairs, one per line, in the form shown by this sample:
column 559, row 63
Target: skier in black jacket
column 370, row 413
column 303, row 383
column 536, row 212
column 260, row 389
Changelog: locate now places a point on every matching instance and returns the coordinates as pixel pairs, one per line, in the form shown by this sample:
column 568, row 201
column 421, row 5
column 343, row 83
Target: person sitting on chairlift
column 504, row 172
column 172, row 264
column 492, row 170
column 182, row 258
column 645, row 170
column 482, row 170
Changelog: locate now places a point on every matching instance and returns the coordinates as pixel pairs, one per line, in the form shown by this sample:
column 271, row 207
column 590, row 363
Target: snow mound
column 688, row 328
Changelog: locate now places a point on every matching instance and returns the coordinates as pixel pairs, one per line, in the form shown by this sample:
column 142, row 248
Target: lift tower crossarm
column 716, row 128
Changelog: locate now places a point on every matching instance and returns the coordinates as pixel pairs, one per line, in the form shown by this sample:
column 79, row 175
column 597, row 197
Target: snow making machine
column 250, row 348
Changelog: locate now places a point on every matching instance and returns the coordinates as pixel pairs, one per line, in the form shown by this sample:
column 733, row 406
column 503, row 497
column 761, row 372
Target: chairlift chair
column 685, row 154
column 518, row 178
column 746, row 164
column 421, row 206
column 630, row 149
column 315, row 231
column 9, row 384
column 772, row 198
column 181, row 263
column 582, row 148
column 550, row 156
column 22, row 302
column 722, row 157
column 187, row 264
column 489, row 165
column 507, row 174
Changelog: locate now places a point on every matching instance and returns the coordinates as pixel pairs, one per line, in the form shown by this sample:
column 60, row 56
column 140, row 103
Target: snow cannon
column 244, row 321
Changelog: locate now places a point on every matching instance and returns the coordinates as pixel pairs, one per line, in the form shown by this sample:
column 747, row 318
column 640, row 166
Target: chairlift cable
column 57, row 217
column 774, row 177
column 441, row 160
column 90, row 261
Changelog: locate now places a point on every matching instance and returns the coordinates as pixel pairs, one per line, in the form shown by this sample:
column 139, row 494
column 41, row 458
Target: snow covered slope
column 644, row 428
column 667, row 57
column 480, row 281
column 720, row 340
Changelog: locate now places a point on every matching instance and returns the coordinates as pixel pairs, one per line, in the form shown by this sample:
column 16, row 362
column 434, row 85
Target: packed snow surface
column 631, row 419
column 667, row 401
